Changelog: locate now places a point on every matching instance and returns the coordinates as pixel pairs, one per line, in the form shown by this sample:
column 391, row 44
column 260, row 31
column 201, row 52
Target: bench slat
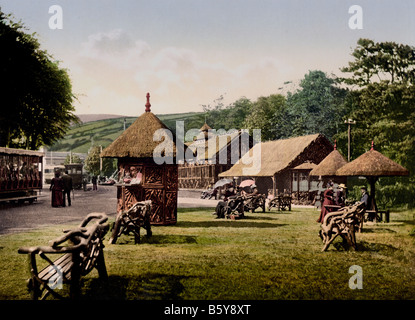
column 63, row 264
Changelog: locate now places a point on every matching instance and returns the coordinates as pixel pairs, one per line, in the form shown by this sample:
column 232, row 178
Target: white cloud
column 117, row 70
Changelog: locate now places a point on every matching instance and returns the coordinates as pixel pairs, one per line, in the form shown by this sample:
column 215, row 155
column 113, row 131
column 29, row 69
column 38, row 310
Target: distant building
column 213, row 154
column 286, row 164
column 58, row 157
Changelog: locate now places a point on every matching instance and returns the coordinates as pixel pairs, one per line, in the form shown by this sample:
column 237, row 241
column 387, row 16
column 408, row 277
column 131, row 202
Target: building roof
column 22, row 152
column 213, row 148
column 137, row 141
column 372, row 164
column 305, row 166
column 276, row 155
column 329, row 165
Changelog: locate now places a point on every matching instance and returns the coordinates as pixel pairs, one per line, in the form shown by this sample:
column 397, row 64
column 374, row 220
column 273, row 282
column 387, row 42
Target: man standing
column 365, row 197
column 67, row 187
column 94, row 182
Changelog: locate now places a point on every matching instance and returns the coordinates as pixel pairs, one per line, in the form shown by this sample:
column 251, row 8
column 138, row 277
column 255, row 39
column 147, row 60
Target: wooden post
column 349, row 122
column 274, row 186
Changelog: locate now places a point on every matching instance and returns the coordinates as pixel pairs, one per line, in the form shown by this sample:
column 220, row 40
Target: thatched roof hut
column 141, row 177
column 137, row 140
column 329, row 165
column 281, row 154
column 372, row 164
column 278, row 158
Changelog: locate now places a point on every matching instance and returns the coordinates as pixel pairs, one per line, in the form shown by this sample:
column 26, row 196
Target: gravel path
column 17, row 218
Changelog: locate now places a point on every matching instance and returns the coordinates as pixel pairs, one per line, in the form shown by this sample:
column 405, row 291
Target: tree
column 263, row 113
column 317, row 107
column 384, row 108
column 92, row 161
column 72, row 158
column 381, row 61
column 36, row 92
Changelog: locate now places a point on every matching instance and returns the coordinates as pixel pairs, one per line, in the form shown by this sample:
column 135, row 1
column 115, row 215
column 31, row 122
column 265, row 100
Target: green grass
column 265, row 256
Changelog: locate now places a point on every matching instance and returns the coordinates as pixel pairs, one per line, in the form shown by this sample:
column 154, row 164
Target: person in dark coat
column 365, row 197
column 94, row 183
column 229, row 195
column 67, row 188
column 328, row 199
column 56, row 186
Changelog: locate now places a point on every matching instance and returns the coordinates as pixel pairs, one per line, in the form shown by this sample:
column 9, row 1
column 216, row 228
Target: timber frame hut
column 281, row 160
column 140, row 177
column 219, row 153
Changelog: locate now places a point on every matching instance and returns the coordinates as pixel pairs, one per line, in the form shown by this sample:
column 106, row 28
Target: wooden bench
column 377, row 215
column 344, row 222
column 132, row 220
column 281, row 202
column 81, row 250
column 254, row 201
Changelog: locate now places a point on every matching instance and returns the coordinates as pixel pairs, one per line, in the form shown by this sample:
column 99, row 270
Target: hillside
column 95, row 117
column 79, row 138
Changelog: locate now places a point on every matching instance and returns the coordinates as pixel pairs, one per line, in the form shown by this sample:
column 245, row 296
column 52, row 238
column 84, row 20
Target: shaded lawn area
column 272, row 255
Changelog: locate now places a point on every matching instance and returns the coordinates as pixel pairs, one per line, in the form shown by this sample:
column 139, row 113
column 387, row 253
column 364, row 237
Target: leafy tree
column 317, row 107
column 381, row 61
column 262, row 116
column 36, row 92
column 227, row 117
column 92, row 161
column 75, row 159
column 383, row 107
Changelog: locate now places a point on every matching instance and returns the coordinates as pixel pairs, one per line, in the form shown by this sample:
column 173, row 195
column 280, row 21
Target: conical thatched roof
column 329, row 165
column 137, row 140
column 372, row 164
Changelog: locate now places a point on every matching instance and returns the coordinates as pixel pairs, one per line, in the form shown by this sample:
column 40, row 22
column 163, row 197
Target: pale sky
column 187, row 53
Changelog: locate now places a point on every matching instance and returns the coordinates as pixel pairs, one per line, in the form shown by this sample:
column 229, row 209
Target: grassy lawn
column 265, row 256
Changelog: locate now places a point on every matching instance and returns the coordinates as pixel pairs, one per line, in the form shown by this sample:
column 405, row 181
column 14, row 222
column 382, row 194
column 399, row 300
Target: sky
column 188, row 53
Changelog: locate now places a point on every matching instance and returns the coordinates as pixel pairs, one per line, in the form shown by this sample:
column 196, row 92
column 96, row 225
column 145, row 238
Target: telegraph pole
column 349, row 123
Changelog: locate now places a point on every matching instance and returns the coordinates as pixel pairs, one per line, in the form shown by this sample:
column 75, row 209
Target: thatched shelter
column 278, row 158
column 327, row 168
column 372, row 165
column 140, row 177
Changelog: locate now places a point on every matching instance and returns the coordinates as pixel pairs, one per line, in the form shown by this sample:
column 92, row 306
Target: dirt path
column 17, row 218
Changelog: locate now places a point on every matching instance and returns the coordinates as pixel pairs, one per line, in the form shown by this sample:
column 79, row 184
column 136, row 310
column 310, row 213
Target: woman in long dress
column 328, row 199
column 56, row 186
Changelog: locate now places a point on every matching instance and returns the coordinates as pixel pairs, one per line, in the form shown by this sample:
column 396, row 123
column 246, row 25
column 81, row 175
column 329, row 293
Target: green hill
column 79, row 138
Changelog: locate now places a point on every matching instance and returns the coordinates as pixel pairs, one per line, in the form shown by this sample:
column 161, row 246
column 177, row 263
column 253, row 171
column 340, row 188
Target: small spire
column 335, row 144
column 148, row 105
column 373, row 146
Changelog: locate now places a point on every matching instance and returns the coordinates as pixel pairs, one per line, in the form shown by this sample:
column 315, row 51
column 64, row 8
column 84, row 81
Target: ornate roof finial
column 148, row 105
column 335, row 144
column 373, row 146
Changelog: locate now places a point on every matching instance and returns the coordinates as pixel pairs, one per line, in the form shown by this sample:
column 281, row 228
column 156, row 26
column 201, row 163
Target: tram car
column 20, row 175
column 50, row 170
column 75, row 171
